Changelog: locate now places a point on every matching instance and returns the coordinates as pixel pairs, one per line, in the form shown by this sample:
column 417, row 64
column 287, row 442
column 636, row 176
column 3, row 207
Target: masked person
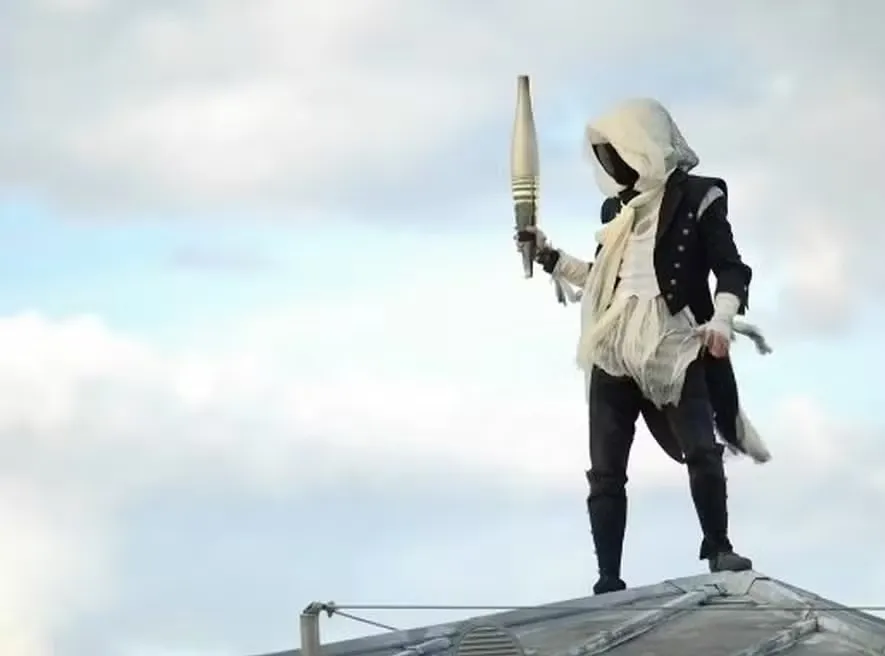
column 653, row 340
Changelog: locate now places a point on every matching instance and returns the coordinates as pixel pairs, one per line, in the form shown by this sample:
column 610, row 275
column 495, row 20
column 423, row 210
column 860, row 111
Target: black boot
column 608, row 522
column 608, row 584
column 729, row 561
column 710, row 495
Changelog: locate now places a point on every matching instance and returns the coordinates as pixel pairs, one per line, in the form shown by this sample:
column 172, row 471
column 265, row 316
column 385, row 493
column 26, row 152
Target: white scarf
column 600, row 285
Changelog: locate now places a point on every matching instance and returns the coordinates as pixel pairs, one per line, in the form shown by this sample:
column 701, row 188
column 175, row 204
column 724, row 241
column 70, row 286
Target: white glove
column 725, row 310
column 719, row 330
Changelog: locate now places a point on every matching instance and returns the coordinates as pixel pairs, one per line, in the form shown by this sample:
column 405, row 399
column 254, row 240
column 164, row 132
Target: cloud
column 192, row 103
column 307, row 111
column 204, row 103
column 82, row 393
column 94, row 423
column 320, row 400
column 399, row 430
column 51, row 561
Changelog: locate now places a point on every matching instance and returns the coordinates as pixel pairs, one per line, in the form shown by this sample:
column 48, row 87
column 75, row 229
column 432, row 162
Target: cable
column 333, row 610
column 541, row 607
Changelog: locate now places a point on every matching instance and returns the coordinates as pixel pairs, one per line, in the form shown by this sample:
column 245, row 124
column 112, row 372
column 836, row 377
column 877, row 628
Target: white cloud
column 51, row 563
column 803, row 143
column 820, row 287
column 332, row 377
column 305, row 107
column 92, row 420
column 208, row 102
column 410, row 380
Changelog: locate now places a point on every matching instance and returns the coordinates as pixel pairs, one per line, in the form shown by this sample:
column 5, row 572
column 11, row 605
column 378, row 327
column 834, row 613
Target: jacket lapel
column 672, row 197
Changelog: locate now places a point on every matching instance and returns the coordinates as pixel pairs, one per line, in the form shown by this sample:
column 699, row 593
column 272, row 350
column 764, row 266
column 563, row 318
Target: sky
column 265, row 340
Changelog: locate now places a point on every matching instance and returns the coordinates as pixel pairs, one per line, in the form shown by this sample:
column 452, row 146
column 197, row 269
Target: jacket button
column 669, row 296
column 672, row 282
column 676, row 265
column 685, row 231
column 680, row 248
column 691, row 215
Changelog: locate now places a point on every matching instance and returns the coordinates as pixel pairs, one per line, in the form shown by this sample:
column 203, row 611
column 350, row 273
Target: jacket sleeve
column 732, row 275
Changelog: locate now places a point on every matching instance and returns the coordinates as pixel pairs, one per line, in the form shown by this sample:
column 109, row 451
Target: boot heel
column 607, row 584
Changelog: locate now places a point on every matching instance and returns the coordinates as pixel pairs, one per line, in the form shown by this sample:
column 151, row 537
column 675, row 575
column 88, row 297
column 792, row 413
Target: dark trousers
column 615, row 405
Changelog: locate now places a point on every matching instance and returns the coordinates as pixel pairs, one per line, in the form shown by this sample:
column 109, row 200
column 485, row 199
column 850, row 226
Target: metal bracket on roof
column 644, row 622
column 426, row 648
column 310, row 626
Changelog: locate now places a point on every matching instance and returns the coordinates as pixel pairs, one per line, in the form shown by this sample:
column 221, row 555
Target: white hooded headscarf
column 646, row 138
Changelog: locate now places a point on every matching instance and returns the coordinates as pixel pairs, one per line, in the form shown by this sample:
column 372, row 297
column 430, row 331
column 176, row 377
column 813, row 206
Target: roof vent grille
column 485, row 640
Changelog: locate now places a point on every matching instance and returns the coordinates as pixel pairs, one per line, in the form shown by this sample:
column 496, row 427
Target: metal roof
column 745, row 614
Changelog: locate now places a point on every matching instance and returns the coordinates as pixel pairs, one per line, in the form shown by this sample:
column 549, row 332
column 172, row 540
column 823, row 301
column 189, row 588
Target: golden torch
column 525, row 170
